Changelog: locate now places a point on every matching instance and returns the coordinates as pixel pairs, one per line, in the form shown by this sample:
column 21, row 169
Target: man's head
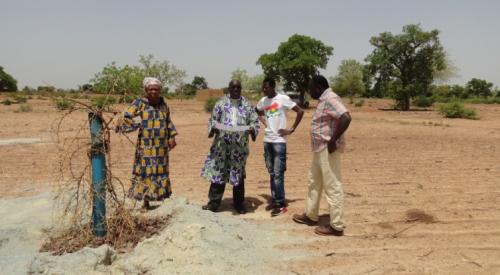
column 317, row 86
column 152, row 87
column 235, row 89
column 268, row 86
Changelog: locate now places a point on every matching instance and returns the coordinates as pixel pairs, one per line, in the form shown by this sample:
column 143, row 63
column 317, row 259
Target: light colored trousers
column 325, row 174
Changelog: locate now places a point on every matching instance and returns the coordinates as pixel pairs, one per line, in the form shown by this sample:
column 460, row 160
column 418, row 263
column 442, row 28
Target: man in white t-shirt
column 274, row 106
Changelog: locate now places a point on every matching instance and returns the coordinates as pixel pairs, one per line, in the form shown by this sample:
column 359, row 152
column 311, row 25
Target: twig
column 469, row 260
column 371, row 270
column 427, row 254
column 395, row 235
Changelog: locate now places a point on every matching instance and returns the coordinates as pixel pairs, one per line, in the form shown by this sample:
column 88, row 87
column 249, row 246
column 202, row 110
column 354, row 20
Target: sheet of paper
column 240, row 128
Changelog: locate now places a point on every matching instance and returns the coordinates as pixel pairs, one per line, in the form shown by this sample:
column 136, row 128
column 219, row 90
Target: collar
column 325, row 94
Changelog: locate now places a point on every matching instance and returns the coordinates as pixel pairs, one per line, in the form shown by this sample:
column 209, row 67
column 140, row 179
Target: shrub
column 456, row 110
column 129, row 98
column 20, row 98
column 482, row 100
column 102, row 102
column 63, row 104
column 7, row 102
column 423, row 101
column 24, row 108
column 359, row 103
column 442, row 99
column 209, row 104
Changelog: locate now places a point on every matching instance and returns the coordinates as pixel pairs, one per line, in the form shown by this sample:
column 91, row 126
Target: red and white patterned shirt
column 325, row 119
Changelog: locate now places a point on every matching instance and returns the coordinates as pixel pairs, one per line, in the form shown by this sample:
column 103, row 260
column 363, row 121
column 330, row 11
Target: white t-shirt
column 275, row 111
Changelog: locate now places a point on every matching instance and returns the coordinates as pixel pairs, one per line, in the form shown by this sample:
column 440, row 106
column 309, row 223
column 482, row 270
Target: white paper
column 240, row 128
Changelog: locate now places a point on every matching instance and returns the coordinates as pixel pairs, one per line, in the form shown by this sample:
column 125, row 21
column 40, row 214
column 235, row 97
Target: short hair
column 234, row 81
column 270, row 81
column 320, row 81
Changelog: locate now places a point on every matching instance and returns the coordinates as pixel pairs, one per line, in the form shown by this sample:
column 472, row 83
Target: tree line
column 404, row 66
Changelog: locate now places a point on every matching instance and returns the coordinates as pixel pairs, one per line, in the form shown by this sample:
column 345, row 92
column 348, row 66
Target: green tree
column 118, row 80
column 167, row 73
column 405, row 64
column 479, row 87
column 86, row 87
column 190, row 89
column 349, row 79
column 254, row 83
column 128, row 79
column 7, row 82
column 199, row 83
column 295, row 62
column 249, row 83
column 240, row 74
column 457, row 91
column 450, row 71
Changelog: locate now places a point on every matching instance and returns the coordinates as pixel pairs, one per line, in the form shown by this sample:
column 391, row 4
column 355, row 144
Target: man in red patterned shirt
column 329, row 122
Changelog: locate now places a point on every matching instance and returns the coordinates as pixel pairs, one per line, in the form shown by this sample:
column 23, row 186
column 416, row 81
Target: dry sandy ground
column 395, row 163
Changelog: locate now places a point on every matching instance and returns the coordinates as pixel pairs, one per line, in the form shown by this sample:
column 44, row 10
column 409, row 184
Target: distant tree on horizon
column 199, row 83
column 349, row 79
column 479, row 87
column 7, row 82
column 405, row 64
column 249, row 83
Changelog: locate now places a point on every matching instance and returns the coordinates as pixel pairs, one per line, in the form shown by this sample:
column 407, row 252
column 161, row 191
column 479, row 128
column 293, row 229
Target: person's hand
column 171, row 144
column 332, row 146
column 285, row 132
column 251, row 131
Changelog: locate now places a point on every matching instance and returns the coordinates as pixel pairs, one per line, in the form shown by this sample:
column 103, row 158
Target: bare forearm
column 298, row 118
column 342, row 126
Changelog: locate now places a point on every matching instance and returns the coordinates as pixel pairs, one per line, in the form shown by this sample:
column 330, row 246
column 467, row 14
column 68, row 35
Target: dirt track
column 394, row 163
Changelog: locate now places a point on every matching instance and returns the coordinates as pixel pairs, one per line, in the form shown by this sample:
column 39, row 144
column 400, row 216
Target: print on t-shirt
column 275, row 110
column 272, row 110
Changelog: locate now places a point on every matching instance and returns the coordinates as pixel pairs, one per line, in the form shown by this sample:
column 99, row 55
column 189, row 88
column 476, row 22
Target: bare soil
column 421, row 192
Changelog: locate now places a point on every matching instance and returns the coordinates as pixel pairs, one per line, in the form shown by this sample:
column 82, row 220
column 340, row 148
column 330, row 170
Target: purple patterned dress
column 229, row 151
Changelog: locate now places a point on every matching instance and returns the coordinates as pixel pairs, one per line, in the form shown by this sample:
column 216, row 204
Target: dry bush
column 74, row 190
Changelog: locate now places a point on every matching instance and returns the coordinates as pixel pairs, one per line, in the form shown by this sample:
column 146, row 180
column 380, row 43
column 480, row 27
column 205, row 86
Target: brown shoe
column 327, row 230
column 303, row 219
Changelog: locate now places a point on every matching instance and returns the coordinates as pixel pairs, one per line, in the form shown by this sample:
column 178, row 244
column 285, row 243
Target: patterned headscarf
column 151, row 81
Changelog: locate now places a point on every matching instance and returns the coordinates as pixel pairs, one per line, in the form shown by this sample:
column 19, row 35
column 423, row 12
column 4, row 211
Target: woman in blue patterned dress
column 150, row 174
column 233, row 120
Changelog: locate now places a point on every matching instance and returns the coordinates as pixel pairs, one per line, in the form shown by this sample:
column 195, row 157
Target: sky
column 64, row 43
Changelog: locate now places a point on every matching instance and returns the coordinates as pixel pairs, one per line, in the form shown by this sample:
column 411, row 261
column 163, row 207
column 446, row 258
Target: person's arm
column 262, row 117
column 172, row 131
column 342, row 125
column 126, row 123
column 253, row 122
column 298, row 118
column 215, row 117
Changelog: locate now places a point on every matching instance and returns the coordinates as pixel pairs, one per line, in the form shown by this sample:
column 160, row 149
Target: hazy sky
column 64, row 43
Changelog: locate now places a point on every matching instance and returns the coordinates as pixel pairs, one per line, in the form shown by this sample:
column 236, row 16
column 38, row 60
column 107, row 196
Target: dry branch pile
column 74, row 190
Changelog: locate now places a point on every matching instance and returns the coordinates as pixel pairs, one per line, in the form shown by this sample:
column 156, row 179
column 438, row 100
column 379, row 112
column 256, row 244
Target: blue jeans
column 275, row 157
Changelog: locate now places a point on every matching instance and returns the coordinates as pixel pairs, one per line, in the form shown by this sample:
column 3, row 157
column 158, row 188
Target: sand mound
column 195, row 241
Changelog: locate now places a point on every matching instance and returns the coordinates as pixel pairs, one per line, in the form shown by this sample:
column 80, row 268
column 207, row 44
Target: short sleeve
column 335, row 107
column 126, row 123
column 260, row 105
column 287, row 102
